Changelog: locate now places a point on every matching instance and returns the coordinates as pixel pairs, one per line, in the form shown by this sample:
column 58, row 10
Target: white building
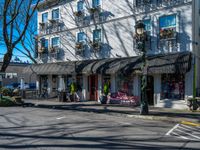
column 93, row 41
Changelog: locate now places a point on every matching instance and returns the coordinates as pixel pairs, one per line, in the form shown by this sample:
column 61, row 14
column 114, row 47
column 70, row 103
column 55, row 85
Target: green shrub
column 6, row 92
column 6, row 101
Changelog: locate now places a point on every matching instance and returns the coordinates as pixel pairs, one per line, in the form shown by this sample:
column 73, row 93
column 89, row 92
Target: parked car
column 12, row 86
column 32, row 85
column 29, row 86
column 26, row 86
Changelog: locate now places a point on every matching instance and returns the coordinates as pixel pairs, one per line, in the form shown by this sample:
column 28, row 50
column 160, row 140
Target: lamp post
column 141, row 38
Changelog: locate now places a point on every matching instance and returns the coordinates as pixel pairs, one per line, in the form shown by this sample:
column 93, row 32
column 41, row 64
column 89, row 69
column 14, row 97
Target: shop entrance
column 150, row 90
column 93, row 80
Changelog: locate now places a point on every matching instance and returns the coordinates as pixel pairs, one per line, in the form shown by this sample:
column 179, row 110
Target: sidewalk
column 155, row 113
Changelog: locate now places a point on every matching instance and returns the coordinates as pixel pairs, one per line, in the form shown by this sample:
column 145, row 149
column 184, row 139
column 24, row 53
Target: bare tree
column 28, row 42
column 15, row 20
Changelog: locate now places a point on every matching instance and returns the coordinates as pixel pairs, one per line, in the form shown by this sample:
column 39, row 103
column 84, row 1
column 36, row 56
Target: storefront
column 173, row 86
column 169, row 76
column 125, row 83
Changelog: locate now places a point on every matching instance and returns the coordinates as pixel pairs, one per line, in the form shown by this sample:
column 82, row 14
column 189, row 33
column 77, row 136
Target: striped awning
column 157, row 64
column 166, row 63
column 51, row 68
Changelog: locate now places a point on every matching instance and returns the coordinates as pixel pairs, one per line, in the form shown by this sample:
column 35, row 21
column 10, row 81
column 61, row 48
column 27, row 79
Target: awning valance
column 165, row 63
column 51, row 68
column 157, row 64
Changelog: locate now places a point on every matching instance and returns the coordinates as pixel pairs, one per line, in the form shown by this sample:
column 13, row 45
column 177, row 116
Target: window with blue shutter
column 45, row 17
column 95, row 3
column 44, row 43
column 147, row 25
column 97, row 35
column 167, row 21
column 81, row 37
column 80, row 5
column 55, row 41
column 55, row 14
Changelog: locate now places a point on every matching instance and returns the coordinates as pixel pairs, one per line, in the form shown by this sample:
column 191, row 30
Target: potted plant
column 104, row 96
column 73, row 89
column 192, row 103
column 78, row 13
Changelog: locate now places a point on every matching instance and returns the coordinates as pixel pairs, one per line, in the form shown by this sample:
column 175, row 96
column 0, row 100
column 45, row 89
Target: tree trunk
column 6, row 60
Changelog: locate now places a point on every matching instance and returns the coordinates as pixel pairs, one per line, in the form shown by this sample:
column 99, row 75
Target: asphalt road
column 54, row 129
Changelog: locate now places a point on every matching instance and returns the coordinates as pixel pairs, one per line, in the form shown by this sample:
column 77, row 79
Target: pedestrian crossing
column 185, row 131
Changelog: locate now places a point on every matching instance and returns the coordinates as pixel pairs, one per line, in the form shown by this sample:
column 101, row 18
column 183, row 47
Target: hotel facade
column 93, row 41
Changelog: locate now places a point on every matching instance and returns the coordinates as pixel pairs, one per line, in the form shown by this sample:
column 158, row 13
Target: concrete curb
column 150, row 117
column 117, row 113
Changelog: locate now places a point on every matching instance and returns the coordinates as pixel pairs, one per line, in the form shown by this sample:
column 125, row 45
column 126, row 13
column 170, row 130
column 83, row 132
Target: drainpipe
column 194, row 48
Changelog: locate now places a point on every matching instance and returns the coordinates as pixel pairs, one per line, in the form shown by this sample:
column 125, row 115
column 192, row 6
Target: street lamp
column 141, row 38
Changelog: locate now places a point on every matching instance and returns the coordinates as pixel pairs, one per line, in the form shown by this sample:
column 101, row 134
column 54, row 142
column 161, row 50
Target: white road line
column 168, row 133
column 189, row 130
column 189, row 127
column 61, row 117
column 189, row 134
column 180, row 136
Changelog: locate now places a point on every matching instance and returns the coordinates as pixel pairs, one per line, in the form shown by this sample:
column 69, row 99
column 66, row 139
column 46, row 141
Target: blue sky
column 15, row 52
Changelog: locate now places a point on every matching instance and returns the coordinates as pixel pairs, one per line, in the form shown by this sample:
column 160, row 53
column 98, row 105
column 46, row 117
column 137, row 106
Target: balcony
column 42, row 50
column 43, row 27
column 93, row 10
column 79, row 48
column 79, row 14
column 54, row 53
column 96, row 45
column 168, row 34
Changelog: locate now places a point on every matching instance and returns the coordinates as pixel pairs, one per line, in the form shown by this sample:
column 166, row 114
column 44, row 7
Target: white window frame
column 58, row 13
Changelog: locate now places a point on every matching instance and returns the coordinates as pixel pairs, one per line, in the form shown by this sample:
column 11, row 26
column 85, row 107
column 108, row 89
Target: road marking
column 189, row 134
column 171, row 130
column 191, row 128
column 190, row 123
column 61, row 117
column 180, row 136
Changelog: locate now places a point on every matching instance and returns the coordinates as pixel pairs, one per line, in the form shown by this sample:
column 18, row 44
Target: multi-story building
column 93, row 41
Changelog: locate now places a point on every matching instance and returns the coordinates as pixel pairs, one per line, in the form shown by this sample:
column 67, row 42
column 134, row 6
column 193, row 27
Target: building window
column 167, row 27
column 147, row 25
column 95, row 3
column 125, row 84
column 45, row 17
column 55, row 41
column 167, row 21
column 81, row 37
column 142, row 2
column 44, row 43
column 97, row 35
column 172, row 86
column 55, row 14
column 80, row 5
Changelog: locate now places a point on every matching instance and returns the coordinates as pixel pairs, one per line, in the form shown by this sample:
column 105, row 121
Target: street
column 48, row 129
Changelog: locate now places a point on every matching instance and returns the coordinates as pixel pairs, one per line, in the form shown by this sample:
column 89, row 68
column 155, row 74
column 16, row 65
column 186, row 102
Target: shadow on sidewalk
column 122, row 110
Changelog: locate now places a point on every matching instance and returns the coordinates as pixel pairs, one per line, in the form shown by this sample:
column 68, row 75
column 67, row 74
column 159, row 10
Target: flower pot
column 103, row 99
column 193, row 104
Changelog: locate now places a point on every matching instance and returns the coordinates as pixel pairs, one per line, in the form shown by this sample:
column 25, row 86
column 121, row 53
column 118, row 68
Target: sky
column 15, row 52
